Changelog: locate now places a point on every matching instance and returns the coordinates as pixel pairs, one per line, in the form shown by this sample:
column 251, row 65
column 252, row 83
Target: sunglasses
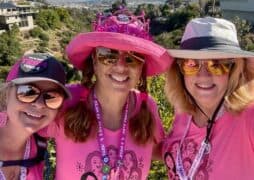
column 111, row 56
column 192, row 67
column 53, row 99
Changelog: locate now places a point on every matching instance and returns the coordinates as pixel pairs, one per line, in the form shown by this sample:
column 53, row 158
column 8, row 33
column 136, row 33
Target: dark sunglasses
column 216, row 67
column 109, row 56
column 53, row 99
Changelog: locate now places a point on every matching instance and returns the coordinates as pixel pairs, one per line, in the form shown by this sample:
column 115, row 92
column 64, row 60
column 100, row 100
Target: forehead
column 46, row 85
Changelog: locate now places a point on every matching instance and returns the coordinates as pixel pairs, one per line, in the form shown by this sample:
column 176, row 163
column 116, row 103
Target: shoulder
column 78, row 92
column 144, row 96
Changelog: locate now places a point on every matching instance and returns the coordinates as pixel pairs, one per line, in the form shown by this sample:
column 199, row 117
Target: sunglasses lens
column 27, row 93
column 106, row 56
column 218, row 67
column 134, row 59
column 53, row 99
column 110, row 57
column 215, row 67
column 189, row 66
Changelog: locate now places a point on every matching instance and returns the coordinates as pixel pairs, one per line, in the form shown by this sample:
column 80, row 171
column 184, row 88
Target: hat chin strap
column 211, row 119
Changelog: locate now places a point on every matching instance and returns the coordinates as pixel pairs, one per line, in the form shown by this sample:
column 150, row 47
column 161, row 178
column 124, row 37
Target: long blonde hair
column 238, row 94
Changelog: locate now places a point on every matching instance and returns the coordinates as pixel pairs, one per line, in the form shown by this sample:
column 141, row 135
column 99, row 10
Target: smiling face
column 206, row 89
column 30, row 116
column 118, row 76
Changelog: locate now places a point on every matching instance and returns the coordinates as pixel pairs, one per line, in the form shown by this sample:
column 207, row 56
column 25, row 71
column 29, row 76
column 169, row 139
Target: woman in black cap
column 30, row 99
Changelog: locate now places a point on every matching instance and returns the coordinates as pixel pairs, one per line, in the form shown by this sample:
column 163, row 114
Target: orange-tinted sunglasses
column 216, row 67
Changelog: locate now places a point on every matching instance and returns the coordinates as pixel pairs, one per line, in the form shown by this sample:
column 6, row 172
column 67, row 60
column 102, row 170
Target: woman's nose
column 39, row 102
column 203, row 70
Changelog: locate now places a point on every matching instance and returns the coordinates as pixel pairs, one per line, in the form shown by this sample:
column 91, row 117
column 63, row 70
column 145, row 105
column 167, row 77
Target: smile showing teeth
column 33, row 115
column 205, row 86
column 119, row 78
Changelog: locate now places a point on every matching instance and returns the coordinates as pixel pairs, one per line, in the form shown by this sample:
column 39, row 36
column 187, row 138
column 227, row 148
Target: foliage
column 10, row 47
column 35, row 32
column 167, row 24
column 48, row 19
column 4, row 70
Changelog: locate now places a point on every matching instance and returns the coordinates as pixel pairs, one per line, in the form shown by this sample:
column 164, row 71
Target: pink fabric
column 81, row 46
column 232, row 148
column 35, row 172
column 74, row 160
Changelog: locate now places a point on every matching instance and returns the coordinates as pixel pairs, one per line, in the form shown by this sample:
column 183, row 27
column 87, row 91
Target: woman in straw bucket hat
column 210, row 86
column 111, row 129
column 30, row 99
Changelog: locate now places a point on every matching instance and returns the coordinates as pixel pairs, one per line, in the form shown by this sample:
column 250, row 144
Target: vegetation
column 56, row 27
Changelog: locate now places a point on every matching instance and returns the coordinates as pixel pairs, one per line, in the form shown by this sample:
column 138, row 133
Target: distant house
column 21, row 15
column 241, row 8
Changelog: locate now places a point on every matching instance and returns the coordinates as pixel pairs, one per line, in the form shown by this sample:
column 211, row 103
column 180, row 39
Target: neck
column 111, row 107
column 12, row 143
column 201, row 118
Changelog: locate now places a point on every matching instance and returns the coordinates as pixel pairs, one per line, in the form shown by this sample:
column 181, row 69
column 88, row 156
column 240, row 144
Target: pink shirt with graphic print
column 77, row 160
column 232, row 150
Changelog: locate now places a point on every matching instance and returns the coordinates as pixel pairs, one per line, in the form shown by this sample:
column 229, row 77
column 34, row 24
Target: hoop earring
column 3, row 118
column 140, row 83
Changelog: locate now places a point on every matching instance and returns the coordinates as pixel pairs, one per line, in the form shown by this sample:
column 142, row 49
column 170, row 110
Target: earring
column 3, row 118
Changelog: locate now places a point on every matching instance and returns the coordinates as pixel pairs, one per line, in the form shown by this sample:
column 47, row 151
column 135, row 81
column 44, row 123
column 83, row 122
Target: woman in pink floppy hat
column 211, row 87
column 30, row 99
column 111, row 129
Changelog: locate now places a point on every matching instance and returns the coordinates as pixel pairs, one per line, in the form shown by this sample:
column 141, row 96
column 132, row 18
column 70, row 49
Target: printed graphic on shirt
column 91, row 167
column 188, row 152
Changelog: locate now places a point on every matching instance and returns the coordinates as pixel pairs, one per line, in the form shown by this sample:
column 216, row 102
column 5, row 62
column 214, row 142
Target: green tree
column 48, row 19
column 10, row 47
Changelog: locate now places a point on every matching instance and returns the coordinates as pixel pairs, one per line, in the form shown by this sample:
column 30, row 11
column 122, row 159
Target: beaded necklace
column 101, row 138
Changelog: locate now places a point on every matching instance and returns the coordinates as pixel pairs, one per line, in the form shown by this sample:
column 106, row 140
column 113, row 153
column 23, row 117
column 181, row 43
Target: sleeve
column 250, row 124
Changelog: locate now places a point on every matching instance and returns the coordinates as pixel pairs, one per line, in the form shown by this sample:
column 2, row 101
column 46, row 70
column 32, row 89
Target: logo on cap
column 33, row 64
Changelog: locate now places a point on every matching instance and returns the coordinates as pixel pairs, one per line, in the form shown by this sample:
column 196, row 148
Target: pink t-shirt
column 231, row 155
column 35, row 172
column 77, row 160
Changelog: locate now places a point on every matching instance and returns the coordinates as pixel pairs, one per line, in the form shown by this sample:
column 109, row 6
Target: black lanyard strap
column 41, row 149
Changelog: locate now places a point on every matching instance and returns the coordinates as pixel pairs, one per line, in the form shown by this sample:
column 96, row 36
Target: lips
column 119, row 78
column 204, row 86
column 34, row 115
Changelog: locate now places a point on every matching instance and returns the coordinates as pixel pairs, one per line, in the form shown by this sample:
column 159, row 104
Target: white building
column 21, row 15
column 241, row 8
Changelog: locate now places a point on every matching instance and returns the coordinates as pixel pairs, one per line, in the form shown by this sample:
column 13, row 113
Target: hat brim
column 157, row 59
column 35, row 79
column 210, row 54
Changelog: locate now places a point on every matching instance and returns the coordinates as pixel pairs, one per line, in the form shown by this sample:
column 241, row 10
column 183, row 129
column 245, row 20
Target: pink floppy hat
column 121, row 31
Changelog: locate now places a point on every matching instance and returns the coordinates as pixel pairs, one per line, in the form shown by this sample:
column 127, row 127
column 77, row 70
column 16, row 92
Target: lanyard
column 23, row 170
column 101, row 137
column 204, row 147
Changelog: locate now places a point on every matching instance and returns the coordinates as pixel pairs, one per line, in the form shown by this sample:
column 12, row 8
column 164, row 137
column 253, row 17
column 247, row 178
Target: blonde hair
column 80, row 122
column 238, row 94
column 4, row 89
